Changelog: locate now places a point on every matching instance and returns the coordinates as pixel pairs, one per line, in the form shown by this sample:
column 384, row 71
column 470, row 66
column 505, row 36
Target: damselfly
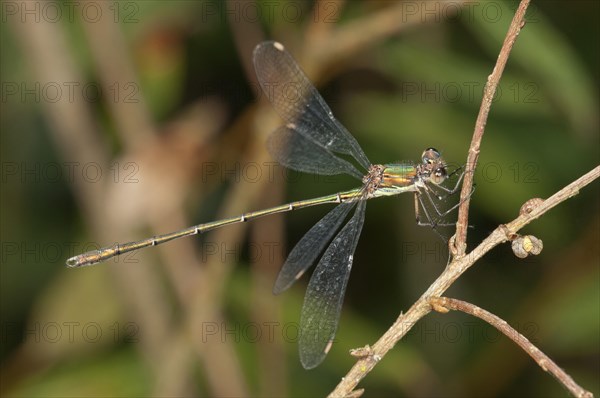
column 312, row 141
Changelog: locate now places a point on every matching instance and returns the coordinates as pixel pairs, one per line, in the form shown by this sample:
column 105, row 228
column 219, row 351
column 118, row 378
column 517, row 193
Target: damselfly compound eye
column 430, row 155
column 439, row 175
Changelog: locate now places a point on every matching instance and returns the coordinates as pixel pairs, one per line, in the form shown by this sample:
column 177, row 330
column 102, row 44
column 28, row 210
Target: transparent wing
column 295, row 151
column 299, row 103
column 325, row 293
column 306, row 251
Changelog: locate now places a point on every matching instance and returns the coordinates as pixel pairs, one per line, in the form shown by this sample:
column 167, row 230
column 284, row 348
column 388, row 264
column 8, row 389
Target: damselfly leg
column 430, row 196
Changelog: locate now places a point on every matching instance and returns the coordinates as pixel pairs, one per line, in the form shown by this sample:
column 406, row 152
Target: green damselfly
column 311, row 141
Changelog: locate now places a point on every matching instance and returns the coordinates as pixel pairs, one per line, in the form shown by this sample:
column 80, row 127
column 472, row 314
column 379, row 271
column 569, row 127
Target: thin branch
column 326, row 44
column 443, row 304
column 460, row 242
column 360, row 33
column 458, row 266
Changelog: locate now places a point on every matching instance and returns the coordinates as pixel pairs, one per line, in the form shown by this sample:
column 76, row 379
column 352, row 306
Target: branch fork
column 525, row 245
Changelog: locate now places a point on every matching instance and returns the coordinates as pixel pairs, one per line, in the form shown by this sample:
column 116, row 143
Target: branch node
column 530, row 205
column 523, row 23
column 439, row 304
column 508, row 233
column 355, row 393
column 362, row 352
column 454, row 251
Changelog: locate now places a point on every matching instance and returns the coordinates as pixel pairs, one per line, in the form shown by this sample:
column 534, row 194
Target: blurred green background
column 126, row 119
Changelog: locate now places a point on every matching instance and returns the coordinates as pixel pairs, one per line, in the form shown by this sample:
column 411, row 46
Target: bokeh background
column 122, row 120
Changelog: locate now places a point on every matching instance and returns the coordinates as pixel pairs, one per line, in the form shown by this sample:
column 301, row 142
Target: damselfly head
column 434, row 166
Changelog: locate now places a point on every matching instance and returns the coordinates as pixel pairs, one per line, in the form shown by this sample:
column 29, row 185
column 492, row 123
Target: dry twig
column 422, row 306
column 461, row 261
column 443, row 304
column 460, row 241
